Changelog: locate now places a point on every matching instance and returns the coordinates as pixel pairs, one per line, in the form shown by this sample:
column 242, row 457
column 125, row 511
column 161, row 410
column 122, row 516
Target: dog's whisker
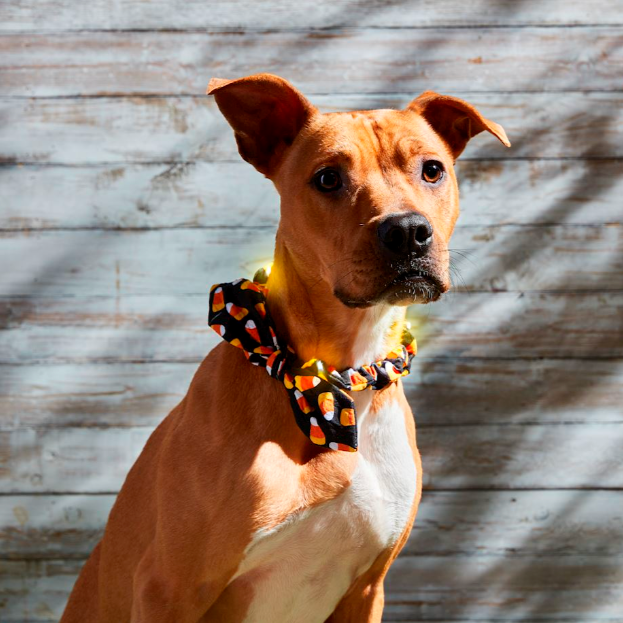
column 464, row 254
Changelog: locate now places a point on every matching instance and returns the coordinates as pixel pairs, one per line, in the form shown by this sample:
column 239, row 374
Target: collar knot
column 322, row 408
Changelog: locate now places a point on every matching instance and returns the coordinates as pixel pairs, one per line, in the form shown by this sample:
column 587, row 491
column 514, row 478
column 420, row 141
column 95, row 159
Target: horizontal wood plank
column 472, row 523
column 558, row 589
column 440, row 391
column 577, row 588
column 174, row 329
column 523, row 457
column 518, row 391
column 118, row 263
column 32, row 591
column 360, row 61
column 83, row 460
column 49, row 527
column 200, row 194
column 210, row 194
column 123, row 394
column 54, row 15
column 77, row 460
column 533, row 524
column 184, row 129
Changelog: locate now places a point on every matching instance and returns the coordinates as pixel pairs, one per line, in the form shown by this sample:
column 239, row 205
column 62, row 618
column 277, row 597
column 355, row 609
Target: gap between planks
column 544, row 224
column 83, row 494
column 309, row 93
column 319, row 30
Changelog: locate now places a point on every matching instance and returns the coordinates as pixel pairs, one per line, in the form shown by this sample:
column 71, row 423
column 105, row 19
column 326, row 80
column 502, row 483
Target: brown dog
column 231, row 514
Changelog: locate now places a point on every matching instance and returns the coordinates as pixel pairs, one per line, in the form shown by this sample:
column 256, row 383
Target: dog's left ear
column 454, row 120
column 266, row 113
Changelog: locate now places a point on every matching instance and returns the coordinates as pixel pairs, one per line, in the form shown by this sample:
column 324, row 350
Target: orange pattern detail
column 237, row 312
column 347, row 417
column 326, row 402
column 302, row 402
column 315, row 432
column 218, row 300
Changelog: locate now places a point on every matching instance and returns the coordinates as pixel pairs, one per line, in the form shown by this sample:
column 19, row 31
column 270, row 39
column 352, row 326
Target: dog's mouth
column 413, row 286
column 408, row 287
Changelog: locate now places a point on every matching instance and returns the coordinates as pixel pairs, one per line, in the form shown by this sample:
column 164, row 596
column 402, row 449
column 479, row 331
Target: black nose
column 406, row 233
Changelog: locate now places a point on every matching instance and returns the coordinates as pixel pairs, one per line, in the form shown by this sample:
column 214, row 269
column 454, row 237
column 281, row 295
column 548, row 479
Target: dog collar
column 322, row 408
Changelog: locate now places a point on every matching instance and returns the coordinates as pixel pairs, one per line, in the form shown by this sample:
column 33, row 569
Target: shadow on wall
column 494, row 575
column 553, row 580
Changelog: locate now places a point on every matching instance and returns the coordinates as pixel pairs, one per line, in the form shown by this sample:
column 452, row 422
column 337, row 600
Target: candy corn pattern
column 315, row 432
column 326, row 404
column 303, row 383
column 252, row 330
column 218, row 301
column 347, row 417
column 302, row 403
column 322, row 408
column 357, row 381
column 392, row 371
column 340, row 446
column 220, row 329
column 237, row 312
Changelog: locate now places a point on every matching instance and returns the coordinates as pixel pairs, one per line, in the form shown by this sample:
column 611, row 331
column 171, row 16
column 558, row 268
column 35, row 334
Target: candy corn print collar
column 322, row 408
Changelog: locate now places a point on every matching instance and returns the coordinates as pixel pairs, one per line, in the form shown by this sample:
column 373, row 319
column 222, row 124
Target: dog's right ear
column 266, row 113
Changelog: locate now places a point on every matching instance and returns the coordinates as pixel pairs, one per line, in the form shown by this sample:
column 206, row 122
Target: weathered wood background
column 123, row 199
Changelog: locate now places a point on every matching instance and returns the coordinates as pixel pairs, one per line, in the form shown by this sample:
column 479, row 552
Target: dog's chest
column 299, row 570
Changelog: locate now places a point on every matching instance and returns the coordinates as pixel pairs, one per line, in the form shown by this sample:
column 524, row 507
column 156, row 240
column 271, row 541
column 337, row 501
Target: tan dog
column 231, row 514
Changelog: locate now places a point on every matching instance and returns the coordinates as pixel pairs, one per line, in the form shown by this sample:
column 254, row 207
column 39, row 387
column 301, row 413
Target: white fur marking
column 371, row 341
column 301, row 568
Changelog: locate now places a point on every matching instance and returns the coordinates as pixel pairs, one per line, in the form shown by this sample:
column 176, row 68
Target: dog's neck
column 317, row 325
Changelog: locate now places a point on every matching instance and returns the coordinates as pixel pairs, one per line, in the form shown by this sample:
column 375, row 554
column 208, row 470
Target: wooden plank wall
column 123, row 199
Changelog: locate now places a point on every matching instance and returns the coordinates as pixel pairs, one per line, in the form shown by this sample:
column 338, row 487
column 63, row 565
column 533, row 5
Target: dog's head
column 369, row 199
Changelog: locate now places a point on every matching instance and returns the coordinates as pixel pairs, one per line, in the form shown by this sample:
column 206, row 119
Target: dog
column 235, row 511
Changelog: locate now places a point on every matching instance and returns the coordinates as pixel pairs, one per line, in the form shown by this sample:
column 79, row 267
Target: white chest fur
column 300, row 569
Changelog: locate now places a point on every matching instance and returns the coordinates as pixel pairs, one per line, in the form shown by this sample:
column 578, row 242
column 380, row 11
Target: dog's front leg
column 164, row 595
column 195, row 551
column 364, row 601
column 362, row 604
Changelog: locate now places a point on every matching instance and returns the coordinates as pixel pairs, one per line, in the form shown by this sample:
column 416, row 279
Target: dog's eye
column 327, row 180
column 432, row 171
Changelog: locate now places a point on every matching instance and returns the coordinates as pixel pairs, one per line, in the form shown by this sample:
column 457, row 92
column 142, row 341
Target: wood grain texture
column 32, row 591
column 468, row 523
column 533, row 524
column 361, row 61
column 543, row 456
column 577, row 588
column 51, row 15
column 119, row 263
column 174, row 329
column 73, row 131
column 123, row 394
column 559, row 588
column 52, row 527
column 441, row 392
column 522, row 457
column 517, row 387
column 230, row 194
column 200, row 194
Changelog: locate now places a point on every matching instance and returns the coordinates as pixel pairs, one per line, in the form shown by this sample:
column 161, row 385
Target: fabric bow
column 322, row 408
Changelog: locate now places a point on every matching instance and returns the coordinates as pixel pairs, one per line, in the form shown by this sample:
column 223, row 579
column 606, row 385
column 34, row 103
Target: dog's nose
column 406, row 233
